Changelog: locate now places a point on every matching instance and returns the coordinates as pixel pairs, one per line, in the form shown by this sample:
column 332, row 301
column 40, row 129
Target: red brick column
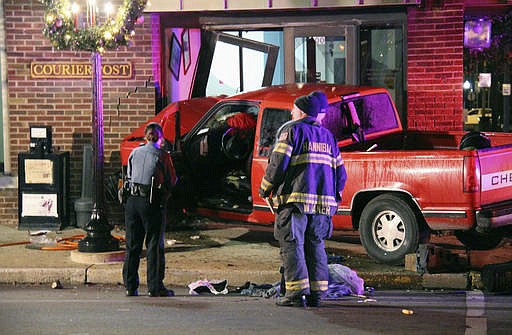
column 435, row 66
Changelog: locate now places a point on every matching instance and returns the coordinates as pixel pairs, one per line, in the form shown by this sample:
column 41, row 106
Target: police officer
column 150, row 178
column 306, row 176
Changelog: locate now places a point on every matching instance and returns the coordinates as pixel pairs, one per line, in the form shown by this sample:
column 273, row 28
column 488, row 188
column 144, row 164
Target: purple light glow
column 477, row 34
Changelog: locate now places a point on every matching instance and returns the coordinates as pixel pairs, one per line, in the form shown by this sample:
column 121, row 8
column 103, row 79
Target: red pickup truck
column 402, row 185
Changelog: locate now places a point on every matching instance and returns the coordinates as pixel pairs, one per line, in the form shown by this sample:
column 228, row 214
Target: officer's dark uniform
column 306, row 176
column 144, row 215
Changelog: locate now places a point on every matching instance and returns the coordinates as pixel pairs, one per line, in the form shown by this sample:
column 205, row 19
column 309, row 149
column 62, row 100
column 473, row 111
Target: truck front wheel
column 388, row 229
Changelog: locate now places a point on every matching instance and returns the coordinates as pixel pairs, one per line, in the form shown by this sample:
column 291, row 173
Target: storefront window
column 487, row 65
column 269, row 37
column 320, row 59
column 381, row 61
column 225, row 72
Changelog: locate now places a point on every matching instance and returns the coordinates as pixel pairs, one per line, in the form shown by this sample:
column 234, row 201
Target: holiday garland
column 62, row 30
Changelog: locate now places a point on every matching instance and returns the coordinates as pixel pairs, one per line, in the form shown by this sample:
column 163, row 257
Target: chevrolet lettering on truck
column 402, row 185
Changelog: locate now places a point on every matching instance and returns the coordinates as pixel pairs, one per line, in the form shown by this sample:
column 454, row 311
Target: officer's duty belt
column 139, row 190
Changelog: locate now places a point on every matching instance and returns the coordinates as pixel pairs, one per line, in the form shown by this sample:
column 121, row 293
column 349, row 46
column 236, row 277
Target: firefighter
column 306, row 176
column 150, row 178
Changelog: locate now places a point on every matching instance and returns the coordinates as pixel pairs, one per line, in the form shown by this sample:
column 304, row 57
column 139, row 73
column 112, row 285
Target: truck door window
column 373, row 113
column 272, row 119
column 376, row 113
column 337, row 120
column 223, row 117
column 218, row 153
column 231, row 124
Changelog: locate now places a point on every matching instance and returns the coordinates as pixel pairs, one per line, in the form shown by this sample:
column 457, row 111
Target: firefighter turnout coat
column 305, row 168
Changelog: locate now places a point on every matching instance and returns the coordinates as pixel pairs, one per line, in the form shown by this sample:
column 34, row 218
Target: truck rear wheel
column 479, row 241
column 388, row 229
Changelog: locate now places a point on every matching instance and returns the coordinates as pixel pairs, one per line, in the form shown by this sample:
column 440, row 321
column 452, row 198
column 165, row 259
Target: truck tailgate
column 496, row 174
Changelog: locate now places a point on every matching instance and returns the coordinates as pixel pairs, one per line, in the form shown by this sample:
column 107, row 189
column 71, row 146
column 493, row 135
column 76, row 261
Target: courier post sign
column 78, row 70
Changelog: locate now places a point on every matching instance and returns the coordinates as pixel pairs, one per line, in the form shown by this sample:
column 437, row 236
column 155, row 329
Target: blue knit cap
column 322, row 98
column 309, row 104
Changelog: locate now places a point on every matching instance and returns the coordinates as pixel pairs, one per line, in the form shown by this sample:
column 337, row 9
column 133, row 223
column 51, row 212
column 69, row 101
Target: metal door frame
column 349, row 31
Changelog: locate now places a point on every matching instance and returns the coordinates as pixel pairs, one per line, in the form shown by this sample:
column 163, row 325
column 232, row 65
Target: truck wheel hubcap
column 388, row 231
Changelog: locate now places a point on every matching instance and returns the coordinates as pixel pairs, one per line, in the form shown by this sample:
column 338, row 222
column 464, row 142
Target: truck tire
column 474, row 140
column 479, row 241
column 389, row 229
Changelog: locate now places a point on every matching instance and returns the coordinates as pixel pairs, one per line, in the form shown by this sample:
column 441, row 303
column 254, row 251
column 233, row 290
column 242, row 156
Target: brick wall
column 435, row 66
column 9, row 206
column 66, row 104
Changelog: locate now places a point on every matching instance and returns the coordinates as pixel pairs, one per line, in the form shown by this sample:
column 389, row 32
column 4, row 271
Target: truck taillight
column 471, row 174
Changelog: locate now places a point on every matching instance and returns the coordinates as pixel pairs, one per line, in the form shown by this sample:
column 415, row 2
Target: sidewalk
column 214, row 251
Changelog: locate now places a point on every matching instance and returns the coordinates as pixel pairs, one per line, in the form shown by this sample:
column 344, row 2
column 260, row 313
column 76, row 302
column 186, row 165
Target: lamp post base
column 98, row 237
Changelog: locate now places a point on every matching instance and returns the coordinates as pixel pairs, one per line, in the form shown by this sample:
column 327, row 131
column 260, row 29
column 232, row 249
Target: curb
column 41, row 275
column 95, row 274
column 99, row 274
column 457, row 281
column 97, row 257
column 390, row 281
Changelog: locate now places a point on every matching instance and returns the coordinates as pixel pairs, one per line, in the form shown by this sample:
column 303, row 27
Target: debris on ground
column 343, row 281
column 255, row 290
column 205, row 286
column 56, row 285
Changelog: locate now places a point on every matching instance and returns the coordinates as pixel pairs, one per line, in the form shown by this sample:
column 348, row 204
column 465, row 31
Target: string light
column 63, row 30
column 109, row 9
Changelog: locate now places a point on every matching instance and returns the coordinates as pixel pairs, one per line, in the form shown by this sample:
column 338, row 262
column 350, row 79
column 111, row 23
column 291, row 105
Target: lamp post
column 67, row 32
column 98, row 229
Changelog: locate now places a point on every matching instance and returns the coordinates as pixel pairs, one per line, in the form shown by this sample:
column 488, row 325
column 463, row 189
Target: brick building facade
column 434, row 94
column 66, row 104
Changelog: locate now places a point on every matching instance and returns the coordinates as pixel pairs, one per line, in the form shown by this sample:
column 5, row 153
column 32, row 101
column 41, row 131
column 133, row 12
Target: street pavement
column 238, row 253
